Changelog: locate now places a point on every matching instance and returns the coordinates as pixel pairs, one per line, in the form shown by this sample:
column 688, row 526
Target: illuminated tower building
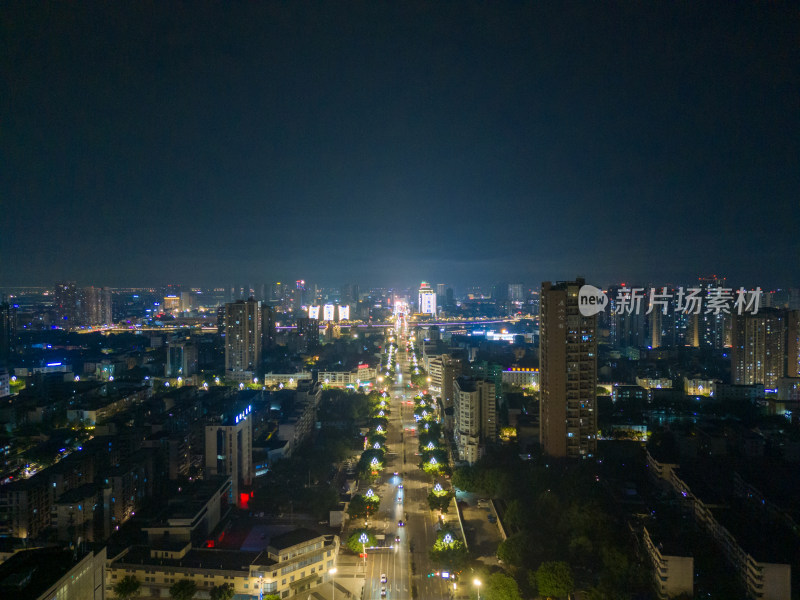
column 96, row 306
column 626, row 330
column 515, row 292
column 300, row 295
column 8, row 330
column 427, row 299
column 655, row 323
column 307, row 334
column 759, row 347
column 229, row 451
column 568, row 373
column 475, row 416
column 243, row 343
column 67, row 305
column 712, row 329
column 793, row 343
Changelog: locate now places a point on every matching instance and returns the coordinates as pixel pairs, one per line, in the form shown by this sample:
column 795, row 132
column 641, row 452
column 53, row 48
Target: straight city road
column 408, row 504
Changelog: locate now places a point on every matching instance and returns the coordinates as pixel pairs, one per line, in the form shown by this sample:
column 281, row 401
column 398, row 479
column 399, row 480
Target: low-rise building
column 522, row 376
column 293, row 562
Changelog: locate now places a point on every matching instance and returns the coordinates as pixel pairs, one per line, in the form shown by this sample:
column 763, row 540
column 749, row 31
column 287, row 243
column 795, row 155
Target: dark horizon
column 390, row 143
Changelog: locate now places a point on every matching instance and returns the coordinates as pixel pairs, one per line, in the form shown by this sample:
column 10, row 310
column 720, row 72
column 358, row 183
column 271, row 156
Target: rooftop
column 293, row 538
column 198, row 558
column 28, row 574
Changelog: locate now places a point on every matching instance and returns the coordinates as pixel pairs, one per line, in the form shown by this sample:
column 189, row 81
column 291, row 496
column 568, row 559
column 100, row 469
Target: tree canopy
column 553, row 579
column 126, row 588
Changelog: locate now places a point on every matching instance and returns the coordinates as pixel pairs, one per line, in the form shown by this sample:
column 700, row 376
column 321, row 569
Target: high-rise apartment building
column 515, row 292
column 96, row 306
column 268, row 326
column 759, row 347
column 427, row 299
column 475, row 417
column 181, row 359
column 8, row 330
column 243, row 331
column 67, row 304
column 229, row 451
column 793, row 343
column 568, row 373
column 307, row 334
column 349, row 294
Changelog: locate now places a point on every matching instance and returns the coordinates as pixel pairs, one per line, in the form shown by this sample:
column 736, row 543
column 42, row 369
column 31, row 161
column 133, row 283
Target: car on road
column 383, row 577
column 383, row 591
column 401, row 524
column 399, row 499
column 400, row 486
column 397, row 539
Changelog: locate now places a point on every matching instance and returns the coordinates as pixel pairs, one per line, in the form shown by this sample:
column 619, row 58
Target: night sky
column 386, row 143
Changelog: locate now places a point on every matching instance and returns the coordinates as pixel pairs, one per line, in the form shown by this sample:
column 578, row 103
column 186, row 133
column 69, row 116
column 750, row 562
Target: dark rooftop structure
column 29, row 574
column 198, row 558
column 293, row 538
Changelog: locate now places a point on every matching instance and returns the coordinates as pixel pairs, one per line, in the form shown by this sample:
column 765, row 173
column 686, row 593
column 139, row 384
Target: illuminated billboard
column 313, row 312
column 344, row 313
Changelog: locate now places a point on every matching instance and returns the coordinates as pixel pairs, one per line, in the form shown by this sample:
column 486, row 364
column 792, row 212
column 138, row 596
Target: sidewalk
column 349, row 579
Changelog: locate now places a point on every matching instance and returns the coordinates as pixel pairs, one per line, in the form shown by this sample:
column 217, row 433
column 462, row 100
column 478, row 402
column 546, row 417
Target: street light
column 364, row 539
column 333, row 585
column 477, row 583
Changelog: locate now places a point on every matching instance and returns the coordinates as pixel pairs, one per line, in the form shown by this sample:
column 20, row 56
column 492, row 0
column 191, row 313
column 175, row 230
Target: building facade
column 229, row 451
column 759, row 348
column 243, row 341
column 427, row 299
column 475, row 417
column 568, row 373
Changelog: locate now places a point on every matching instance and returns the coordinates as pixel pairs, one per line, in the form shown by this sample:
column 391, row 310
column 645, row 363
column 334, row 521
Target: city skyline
column 374, row 143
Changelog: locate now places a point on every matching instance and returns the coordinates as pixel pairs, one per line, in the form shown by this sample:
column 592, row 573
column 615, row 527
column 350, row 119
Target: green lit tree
column 448, row 552
column 501, row 587
column 440, row 500
column 354, row 541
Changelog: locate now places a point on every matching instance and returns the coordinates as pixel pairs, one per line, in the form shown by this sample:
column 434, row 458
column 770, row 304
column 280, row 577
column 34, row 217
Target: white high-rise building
column 229, row 451
column 427, row 299
column 475, row 417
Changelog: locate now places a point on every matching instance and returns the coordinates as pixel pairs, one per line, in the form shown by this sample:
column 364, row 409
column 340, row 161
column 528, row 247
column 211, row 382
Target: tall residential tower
column 568, row 373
